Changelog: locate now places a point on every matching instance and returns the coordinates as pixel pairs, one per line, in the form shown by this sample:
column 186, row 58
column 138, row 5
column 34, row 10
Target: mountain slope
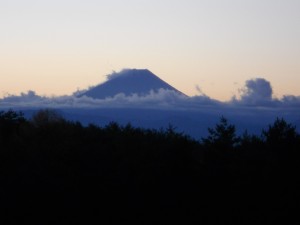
column 128, row 82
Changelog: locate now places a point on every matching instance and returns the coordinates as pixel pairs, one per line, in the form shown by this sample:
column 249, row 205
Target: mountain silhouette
column 128, row 82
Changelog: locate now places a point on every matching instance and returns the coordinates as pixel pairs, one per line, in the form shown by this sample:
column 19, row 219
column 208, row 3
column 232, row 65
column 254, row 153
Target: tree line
column 55, row 171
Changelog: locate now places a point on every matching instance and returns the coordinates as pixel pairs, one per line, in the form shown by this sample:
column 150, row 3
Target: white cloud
column 253, row 110
column 161, row 98
column 115, row 74
column 257, row 92
column 291, row 100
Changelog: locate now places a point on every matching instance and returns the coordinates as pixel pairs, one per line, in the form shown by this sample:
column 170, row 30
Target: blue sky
column 57, row 46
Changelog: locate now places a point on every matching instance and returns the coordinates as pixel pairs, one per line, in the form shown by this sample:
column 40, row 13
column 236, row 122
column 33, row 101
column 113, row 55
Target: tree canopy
column 54, row 171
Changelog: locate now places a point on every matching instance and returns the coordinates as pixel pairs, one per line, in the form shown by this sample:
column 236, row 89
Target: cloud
column 198, row 89
column 30, row 98
column 254, row 109
column 161, row 98
column 291, row 100
column 258, row 88
column 115, row 74
column 257, row 91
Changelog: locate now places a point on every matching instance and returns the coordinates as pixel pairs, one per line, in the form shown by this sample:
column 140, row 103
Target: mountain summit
column 128, row 82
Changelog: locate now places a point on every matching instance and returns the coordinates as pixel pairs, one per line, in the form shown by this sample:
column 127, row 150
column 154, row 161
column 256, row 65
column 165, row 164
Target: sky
column 55, row 47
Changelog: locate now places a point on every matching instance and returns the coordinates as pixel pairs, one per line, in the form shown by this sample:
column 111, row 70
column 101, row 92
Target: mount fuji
column 129, row 82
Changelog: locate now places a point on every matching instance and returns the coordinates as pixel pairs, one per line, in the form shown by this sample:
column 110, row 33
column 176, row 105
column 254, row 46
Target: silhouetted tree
column 280, row 134
column 10, row 123
column 222, row 136
column 11, row 116
column 122, row 174
column 46, row 116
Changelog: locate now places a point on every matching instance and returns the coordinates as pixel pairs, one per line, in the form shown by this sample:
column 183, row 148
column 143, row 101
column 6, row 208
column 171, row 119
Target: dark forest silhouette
column 54, row 171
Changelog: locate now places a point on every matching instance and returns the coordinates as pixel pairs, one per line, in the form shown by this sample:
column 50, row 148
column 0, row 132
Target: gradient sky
column 57, row 46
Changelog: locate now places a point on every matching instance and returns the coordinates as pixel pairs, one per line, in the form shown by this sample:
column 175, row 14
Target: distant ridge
column 128, row 82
